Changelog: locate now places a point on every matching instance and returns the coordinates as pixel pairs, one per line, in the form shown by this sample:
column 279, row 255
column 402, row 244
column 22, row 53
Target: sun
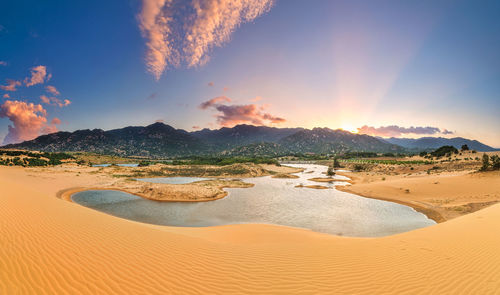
column 349, row 127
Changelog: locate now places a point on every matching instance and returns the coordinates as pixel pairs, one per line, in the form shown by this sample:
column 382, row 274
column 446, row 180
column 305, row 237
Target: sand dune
column 51, row 246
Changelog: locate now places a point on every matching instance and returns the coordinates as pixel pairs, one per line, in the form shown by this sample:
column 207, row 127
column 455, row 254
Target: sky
column 384, row 68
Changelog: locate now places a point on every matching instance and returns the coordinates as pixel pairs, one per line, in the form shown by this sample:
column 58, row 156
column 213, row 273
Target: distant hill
column 241, row 135
column 427, row 143
column 151, row 141
column 325, row 140
column 159, row 140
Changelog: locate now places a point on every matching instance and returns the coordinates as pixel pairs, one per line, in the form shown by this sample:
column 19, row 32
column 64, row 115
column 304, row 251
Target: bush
column 445, row 150
column 495, row 162
column 465, row 147
column 330, row 171
column 486, row 162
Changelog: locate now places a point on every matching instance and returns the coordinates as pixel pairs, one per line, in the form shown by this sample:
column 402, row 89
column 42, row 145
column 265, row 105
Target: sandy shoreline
column 51, row 246
column 441, row 197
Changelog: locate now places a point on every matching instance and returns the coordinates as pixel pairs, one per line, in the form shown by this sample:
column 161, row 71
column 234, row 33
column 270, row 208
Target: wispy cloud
column 3, row 63
column 397, row 131
column 214, row 101
column 230, row 115
column 55, row 101
column 51, row 89
column 180, row 32
column 6, row 95
column 211, row 84
column 11, row 85
column 28, row 119
column 38, row 75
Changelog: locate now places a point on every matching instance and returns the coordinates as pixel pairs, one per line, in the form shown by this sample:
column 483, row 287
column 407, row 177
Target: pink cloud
column 230, row 115
column 28, row 119
column 51, row 89
column 55, row 121
column 3, row 63
column 214, row 101
column 184, row 32
column 397, row 131
column 11, row 85
column 211, row 84
column 6, row 95
column 38, row 76
column 55, row 101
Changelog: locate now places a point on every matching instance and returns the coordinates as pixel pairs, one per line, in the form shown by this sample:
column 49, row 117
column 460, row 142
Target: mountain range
column 432, row 143
column 160, row 141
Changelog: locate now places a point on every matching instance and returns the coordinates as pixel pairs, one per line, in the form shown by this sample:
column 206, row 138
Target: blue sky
column 336, row 64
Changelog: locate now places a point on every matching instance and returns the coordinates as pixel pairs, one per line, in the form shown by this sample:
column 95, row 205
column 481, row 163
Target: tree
column 465, row 147
column 495, row 162
column 486, row 162
column 336, row 163
column 330, row 171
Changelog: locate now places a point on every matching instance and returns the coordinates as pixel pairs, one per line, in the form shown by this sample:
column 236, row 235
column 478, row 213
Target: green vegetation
column 492, row 162
column 31, row 159
column 223, row 161
column 446, row 150
column 387, row 162
column 330, row 171
column 486, row 162
column 495, row 162
column 465, row 147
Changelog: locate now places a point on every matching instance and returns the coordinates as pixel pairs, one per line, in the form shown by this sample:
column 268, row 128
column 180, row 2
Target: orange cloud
column 55, row 101
column 38, row 76
column 214, row 101
column 11, row 85
column 230, row 115
column 211, row 84
column 6, row 95
column 55, row 121
column 29, row 120
column 51, row 89
column 397, row 131
column 178, row 32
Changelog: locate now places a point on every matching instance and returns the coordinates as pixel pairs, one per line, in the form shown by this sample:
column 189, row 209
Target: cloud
column 55, row 101
column 230, row 115
column 397, row 131
column 55, row 121
column 28, row 119
column 180, row 32
column 3, row 63
column 52, row 90
column 211, row 84
column 11, row 85
column 6, row 95
column 214, row 101
column 38, row 76
column 196, row 127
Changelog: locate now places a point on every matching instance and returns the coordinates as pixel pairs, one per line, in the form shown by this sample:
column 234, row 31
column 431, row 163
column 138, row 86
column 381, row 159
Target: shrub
column 444, row 150
column 330, row 171
column 486, row 162
column 465, row 147
column 495, row 162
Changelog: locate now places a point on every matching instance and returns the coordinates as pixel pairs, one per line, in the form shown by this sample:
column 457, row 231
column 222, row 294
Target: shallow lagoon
column 271, row 201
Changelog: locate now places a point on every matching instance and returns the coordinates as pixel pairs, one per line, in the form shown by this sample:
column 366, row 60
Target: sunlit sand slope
column 51, row 246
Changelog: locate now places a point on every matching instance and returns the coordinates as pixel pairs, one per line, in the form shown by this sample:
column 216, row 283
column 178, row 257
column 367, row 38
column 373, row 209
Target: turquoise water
column 270, row 201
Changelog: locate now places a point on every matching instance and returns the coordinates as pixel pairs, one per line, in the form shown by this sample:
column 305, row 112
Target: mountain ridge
column 159, row 140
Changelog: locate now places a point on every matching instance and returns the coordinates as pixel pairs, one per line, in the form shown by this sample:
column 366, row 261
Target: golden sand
column 50, row 246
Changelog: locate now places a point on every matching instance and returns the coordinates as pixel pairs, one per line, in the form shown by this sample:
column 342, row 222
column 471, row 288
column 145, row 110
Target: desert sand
column 440, row 196
column 51, row 246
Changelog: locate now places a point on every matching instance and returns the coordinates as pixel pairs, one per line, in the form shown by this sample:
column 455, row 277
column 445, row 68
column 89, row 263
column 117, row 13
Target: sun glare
column 349, row 127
